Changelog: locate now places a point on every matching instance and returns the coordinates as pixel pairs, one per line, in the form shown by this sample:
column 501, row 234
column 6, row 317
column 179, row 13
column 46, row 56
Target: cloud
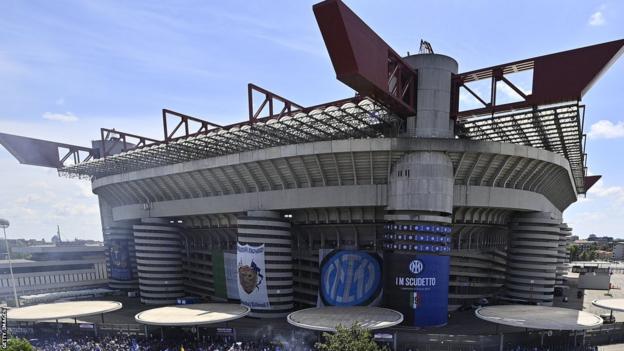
column 10, row 67
column 597, row 18
column 36, row 200
column 605, row 129
column 614, row 192
column 61, row 117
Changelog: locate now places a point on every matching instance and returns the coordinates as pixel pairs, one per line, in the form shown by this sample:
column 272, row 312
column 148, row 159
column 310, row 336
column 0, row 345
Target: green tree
column 15, row 344
column 354, row 338
column 574, row 251
column 584, row 256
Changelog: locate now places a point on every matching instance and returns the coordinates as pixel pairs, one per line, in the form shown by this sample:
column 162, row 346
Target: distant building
column 583, row 244
column 53, row 268
column 593, row 276
column 618, row 252
column 600, row 239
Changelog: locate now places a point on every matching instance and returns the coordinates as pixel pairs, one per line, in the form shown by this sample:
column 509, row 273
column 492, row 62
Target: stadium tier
column 400, row 197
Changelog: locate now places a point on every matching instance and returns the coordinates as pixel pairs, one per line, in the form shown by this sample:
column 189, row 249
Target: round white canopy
column 328, row 318
column 610, row 304
column 195, row 314
column 59, row 310
column 539, row 317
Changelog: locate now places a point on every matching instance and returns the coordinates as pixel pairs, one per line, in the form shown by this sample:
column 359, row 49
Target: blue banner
column 119, row 258
column 350, row 278
column 417, row 286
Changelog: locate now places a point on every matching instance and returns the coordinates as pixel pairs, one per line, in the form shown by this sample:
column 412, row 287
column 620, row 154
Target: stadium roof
column 539, row 317
column 557, row 128
column 195, row 314
column 329, row 318
column 549, row 116
column 350, row 119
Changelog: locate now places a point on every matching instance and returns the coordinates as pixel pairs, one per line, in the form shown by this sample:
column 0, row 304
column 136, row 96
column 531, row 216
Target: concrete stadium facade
column 472, row 198
column 504, row 203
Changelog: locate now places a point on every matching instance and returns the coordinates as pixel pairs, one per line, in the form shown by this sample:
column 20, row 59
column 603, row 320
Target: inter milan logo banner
column 252, row 276
column 349, row 278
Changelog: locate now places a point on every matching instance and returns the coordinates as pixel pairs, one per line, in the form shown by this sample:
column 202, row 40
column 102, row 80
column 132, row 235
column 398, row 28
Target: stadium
column 397, row 197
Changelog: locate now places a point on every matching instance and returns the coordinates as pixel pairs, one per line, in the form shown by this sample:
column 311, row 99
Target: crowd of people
column 552, row 348
column 133, row 343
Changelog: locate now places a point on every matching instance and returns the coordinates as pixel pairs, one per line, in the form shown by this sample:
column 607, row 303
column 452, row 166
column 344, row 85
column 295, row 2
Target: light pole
column 5, row 224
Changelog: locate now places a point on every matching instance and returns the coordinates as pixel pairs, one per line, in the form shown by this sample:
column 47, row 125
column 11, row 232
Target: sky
column 68, row 68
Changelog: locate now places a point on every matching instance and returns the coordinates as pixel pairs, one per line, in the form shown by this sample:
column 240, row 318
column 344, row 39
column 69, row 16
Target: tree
column 15, row 344
column 354, row 338
column 574, row 251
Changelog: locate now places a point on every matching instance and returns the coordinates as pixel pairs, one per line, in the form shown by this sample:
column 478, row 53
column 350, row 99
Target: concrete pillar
column 433, row 103
column 532, row 257
column 159, row 261
column 269, row 228
column 120, row 254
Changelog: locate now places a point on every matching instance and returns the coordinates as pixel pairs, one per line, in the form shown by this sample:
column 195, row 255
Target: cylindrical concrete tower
column 533, row 255
column 275, row 298
column 433, row 102
column 120, row 253
column 159, row 261
column 563, row 255
column 420, row 204
column 121, row 258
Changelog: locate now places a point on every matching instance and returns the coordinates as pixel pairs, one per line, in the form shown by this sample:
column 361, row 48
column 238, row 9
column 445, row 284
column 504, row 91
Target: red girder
column 269, row 100
column 363, row 61
column 184, row 122
column 560, row 77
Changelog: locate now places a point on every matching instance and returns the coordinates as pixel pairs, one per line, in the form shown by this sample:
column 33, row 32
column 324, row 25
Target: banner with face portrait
column 252, row 276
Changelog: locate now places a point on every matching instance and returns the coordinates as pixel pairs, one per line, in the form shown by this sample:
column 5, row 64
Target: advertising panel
column 417, row 286
column 252, row 277
column 349, row 278
column 119, row 257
